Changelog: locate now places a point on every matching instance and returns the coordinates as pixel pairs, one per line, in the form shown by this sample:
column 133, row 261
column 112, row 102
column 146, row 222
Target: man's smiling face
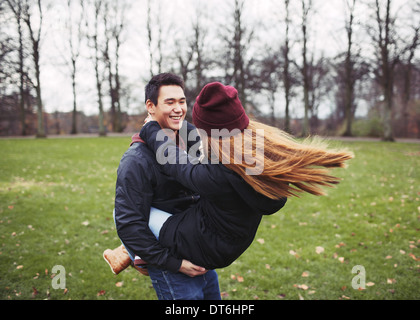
column 171, row 108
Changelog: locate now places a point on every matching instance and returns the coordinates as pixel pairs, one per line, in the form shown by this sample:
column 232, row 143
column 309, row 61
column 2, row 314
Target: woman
column 257, row 167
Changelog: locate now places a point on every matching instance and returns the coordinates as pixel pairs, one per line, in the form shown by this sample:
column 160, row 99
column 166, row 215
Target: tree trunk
column 349, row 75
column 286, row 72
column 73, row 85
column 305, row 11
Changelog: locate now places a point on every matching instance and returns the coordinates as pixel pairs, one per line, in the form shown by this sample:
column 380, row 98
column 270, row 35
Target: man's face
column 171, row 108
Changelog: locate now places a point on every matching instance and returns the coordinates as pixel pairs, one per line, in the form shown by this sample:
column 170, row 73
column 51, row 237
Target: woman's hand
column 148, row 118
column 191, row 269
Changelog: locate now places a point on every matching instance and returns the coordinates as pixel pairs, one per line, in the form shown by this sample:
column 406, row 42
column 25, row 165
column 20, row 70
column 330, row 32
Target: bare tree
column 117, row 35
column 236, row 38
column 387, row 58
column 405, row 73
column 199, row 41
column 319, row 86
column 35, row 37
column 238, row 58
column 114, row 24
column 286, row 68
column 270, row 79
column 154, row 42
column 349, row 77
column 149, row 36
column 74, row 41
column 97, row 60
column 306, row 8
column 16, row 7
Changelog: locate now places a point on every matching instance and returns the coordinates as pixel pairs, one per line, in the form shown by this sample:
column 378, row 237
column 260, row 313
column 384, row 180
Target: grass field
column 56, row 201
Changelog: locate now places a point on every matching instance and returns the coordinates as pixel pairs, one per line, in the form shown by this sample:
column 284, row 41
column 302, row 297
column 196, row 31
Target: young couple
column 182, row 218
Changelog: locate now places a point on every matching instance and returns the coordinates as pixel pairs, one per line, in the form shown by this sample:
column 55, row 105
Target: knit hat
column 218, row 107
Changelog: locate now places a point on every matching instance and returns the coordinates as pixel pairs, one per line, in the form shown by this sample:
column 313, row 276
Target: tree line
column 281, row 74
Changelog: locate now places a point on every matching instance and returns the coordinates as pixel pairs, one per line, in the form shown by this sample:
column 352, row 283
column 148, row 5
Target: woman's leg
column 156, row 220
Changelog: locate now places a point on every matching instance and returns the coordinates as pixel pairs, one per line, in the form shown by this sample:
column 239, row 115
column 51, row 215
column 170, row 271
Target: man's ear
column 150, row 107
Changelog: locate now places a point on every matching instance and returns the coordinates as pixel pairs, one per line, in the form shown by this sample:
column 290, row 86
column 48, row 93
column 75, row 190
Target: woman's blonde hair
column 289, row 167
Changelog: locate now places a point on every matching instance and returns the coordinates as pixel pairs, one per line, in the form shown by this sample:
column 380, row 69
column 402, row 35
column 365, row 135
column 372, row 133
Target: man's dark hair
column 162, row 79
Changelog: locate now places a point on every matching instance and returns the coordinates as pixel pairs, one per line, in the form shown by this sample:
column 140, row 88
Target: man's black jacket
column 140, row 185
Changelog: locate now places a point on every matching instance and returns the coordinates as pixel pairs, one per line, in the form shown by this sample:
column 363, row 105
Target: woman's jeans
column 178, row 286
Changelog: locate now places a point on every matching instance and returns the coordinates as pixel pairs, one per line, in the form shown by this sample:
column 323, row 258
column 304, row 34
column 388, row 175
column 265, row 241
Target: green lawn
column 56, row 201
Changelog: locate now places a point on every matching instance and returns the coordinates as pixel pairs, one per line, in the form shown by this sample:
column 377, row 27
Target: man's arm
column 133, row 198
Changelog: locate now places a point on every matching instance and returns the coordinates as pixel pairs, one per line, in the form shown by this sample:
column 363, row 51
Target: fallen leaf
column 85, row 223
column 101, row 293
column 261, row 241
column 240, row 279
column 19, row 267
column 305, row 274
column 293, row 253
column 119, row 284
column 341, row 244
column 370, row 284
column 341, row 259
column 34, row 292
column 267, row 266
column 302, row 286
column 319, row 250
column 414, row 257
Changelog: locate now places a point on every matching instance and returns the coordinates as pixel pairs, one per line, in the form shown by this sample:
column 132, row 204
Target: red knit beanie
column 218, row 107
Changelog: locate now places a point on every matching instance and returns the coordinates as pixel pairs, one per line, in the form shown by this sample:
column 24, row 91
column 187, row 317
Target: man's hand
column 191, row 269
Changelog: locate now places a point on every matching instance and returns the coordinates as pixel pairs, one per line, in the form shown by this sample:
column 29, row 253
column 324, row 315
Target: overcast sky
column 327, row 36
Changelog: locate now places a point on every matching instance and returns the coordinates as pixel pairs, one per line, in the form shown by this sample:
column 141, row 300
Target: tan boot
column 118, row 259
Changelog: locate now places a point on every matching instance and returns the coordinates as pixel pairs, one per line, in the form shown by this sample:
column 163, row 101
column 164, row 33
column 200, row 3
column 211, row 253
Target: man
column 141, row 186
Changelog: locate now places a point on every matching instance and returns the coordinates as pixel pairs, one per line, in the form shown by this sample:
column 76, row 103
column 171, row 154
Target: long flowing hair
column 289, row 167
